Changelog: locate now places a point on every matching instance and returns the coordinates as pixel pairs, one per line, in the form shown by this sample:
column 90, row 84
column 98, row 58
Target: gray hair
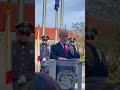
column 61, row 31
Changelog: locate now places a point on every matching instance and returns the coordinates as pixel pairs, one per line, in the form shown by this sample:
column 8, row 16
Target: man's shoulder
column 56, row 44
column 41, row 45
column 29, row 44
column 47, row 45
column 72, row 45
column 14, row 44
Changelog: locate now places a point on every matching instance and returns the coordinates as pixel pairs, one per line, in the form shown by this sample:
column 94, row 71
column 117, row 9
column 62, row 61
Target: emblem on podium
column 67, row 77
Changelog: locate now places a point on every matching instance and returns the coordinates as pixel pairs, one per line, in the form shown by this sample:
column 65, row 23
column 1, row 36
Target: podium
column 68, row 73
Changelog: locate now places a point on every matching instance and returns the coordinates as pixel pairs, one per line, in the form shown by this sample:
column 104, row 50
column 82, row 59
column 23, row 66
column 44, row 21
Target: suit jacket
column 58, row 51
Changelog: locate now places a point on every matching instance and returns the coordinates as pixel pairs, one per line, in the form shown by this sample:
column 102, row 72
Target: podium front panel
column 68, row 73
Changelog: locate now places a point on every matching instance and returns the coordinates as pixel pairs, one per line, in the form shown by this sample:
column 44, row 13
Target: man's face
column 89, row 41
column 24, row 36
column 71, row 42
column 90, row 38
column 44, row 41
column 64, row 37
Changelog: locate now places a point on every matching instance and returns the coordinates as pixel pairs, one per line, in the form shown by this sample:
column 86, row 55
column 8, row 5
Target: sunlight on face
column 64, row 37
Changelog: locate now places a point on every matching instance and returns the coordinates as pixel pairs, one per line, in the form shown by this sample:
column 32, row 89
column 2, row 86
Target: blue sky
column 74, row 11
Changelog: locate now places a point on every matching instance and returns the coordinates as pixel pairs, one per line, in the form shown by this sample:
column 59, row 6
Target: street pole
column 20, row 11
column 56, row 25
column 61, row 14
column 44, row 17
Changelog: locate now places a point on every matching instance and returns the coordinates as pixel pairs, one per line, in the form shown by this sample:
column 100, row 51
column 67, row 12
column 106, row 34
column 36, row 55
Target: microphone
column 69, row 47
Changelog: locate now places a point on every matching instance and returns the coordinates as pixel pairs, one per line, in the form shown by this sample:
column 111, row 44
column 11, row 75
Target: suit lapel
column 61, row 49
column 60, row 46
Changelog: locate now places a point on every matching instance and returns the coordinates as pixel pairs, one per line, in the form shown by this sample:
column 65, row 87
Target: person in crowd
column 23, row 58
column 45, row 48
column 44, row 53
column 95, row 62
column 72, row 42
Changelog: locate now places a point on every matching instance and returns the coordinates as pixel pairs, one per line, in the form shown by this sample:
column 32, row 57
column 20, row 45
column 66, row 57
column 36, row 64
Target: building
column 29, row 14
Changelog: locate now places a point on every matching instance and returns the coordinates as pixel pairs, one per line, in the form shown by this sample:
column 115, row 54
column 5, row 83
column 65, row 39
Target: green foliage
column 78, row 28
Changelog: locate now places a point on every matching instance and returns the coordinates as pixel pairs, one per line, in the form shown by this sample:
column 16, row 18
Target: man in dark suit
column 63, row 50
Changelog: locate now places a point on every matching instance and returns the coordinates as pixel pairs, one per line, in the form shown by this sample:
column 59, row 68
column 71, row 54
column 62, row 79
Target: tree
column 78, row 28
column 108, row 11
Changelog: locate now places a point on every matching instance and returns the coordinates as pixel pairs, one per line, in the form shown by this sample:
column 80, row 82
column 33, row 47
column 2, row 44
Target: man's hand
column 61, row 58
column 44, row 59
column 71, row 49
column 22, row 79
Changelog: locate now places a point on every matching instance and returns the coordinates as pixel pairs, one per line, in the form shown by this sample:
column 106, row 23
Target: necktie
column 65, row 50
